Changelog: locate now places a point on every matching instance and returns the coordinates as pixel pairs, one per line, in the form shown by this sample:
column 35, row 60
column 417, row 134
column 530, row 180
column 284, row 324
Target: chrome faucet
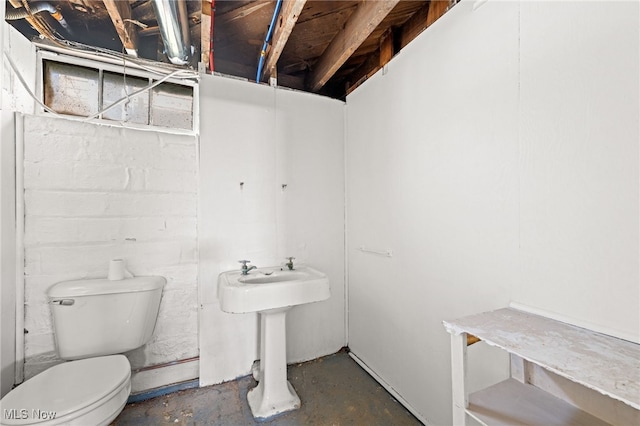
column 245, row 268
column 290, row 263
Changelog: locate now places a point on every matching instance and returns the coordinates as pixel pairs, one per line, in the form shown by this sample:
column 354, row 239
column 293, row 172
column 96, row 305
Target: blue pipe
column 267, row 39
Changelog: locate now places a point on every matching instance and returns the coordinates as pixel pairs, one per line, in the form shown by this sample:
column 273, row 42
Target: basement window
column 84, row 91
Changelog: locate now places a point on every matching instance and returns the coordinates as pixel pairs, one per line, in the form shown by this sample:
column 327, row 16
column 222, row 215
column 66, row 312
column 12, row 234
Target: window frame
column 111, row 67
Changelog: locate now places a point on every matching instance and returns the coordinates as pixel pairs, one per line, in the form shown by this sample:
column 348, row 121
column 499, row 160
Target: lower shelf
column 513, row 403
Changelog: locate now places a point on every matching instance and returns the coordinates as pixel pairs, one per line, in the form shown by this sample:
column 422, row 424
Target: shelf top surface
column 603, row 363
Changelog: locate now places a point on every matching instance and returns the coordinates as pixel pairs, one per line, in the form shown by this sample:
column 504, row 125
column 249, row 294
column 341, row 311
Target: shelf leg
column 460, row 394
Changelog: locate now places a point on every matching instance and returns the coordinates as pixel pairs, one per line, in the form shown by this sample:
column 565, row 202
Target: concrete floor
column 334, row 390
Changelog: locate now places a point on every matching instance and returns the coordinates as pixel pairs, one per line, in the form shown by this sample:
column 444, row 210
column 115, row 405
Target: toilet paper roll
column 116, row 270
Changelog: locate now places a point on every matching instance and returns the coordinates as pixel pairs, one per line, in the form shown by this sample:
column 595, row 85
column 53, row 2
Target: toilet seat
column 87, row 391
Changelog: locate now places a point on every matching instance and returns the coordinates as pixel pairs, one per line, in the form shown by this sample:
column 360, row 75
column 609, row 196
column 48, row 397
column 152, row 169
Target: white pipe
column 19, row 282
column 345, row 242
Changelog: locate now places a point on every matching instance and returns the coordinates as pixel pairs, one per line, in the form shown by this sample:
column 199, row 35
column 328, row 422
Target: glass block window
column 83, row 91
column 70, row 89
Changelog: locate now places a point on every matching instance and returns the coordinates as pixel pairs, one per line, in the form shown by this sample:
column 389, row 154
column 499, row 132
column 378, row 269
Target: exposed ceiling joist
column 205, row 33
column 286, row 21
column 416, row 24
column 120, row 13
column 320, row 46
column 242, row 11
column 360, row 25
column 419, row 21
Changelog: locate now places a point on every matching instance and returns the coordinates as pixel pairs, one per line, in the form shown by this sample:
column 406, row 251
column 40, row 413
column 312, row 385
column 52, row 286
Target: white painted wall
column 94, row 193
column 7, row 234
column 12, row 98
column 579, row 167
column 432, row 175
column 265, row 138
column 23, row 55
column 498, row 159
column 7, row 252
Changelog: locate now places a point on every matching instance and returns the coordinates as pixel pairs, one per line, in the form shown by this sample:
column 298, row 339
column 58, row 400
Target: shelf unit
column 605, row 367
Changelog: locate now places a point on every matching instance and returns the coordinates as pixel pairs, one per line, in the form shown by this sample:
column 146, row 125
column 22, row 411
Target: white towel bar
column 388, row 253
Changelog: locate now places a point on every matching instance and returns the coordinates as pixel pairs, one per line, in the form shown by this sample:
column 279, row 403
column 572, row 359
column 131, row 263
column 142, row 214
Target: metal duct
column 174, row 29
column 15, row 14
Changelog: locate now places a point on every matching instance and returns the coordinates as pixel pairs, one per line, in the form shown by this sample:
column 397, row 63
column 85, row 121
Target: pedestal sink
column 271, row 292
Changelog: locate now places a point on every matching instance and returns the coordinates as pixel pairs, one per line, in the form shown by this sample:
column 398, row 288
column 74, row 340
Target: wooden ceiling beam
column 241, row 12
column 415, row 25
column 418, row 22
column 289, row 15
column 436, row 10
column 360, row 25
column 120, row 13
column 205, row 32
column 386, row 47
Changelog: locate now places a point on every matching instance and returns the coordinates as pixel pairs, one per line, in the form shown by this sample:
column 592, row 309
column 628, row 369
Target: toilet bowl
column 94, row 322
column 90, row 391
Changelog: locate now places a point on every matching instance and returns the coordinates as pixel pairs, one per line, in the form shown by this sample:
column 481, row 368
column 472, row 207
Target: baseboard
column 164, row 390
column 388, row 388
column 159, row 376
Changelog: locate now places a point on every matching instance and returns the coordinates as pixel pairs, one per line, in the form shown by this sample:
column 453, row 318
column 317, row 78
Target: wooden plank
column 603, row 363
column 289, row 15
column 241, row 12
column 360, row 25
column 511, row 403
column 239, row 70
column 415, row 25
column 436, row 10
column 205, row 33
column 422, row 19
column 471, row 339
column 120, row 13
column 368, row 68
column 386, row 47
column 311, row 37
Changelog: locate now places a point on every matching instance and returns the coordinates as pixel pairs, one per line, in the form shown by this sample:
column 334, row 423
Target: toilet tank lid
column 94, row 287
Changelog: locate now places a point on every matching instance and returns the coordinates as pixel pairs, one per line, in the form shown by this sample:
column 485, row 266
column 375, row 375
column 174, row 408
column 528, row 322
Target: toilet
column 94, row 322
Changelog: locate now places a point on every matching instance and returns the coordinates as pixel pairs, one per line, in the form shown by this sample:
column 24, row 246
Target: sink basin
column 271, row 288
column 271, row 292
column 272, row 277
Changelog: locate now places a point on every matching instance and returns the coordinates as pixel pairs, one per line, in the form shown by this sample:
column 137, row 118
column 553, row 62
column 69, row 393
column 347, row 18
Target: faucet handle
column 244, row 262
column 290, row 263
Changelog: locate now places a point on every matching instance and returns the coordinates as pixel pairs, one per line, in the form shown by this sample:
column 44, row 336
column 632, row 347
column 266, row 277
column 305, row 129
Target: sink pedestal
column 274, row 394
column 271, row 292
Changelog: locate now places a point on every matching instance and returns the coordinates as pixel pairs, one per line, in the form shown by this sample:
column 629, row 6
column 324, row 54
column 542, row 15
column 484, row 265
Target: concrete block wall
column 94, row 193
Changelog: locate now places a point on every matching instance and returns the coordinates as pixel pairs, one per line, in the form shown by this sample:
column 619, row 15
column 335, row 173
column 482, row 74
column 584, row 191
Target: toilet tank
column 102, row 317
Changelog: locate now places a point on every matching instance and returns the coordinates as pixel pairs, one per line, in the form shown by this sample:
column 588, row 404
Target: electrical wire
column 26, row 86
column 175, row 74
column 133, row 94
column 154, row 67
